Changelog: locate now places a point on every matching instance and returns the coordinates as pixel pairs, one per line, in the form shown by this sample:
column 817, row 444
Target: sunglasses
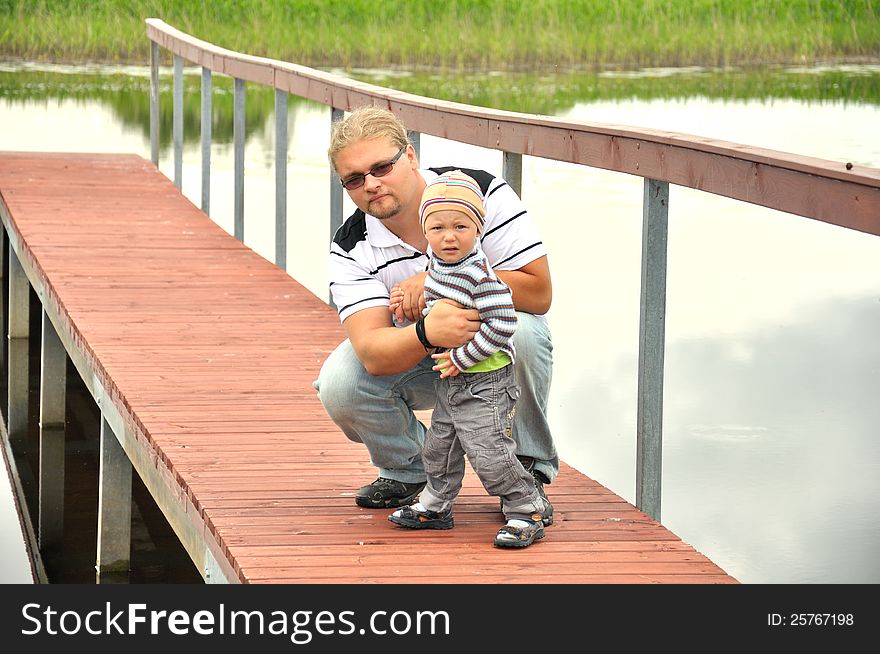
column 379, row 170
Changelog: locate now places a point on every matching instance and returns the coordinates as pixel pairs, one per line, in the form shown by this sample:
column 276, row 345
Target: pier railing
column 838, row 193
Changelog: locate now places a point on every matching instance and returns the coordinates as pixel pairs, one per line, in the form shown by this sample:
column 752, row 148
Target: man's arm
column 388, row 350
column 530, row 285
column 382, row 348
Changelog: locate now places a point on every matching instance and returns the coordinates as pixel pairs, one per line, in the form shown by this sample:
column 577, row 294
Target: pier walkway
column 201, row 356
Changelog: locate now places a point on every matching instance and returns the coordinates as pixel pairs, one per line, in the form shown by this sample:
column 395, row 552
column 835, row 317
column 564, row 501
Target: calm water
column 771, row 439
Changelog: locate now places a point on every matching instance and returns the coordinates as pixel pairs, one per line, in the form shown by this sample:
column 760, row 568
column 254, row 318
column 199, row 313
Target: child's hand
column 444, row 365
column 408, row 297
column 396, row 304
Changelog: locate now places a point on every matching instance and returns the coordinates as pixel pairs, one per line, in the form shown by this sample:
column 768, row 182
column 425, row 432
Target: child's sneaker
column 418, row 517
column 540, row 479
column 520, row 532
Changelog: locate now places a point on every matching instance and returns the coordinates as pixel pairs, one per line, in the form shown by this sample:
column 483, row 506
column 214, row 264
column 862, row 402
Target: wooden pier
column 201, row 357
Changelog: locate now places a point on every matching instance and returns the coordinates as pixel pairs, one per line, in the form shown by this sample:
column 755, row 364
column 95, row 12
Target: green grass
column 457, row 34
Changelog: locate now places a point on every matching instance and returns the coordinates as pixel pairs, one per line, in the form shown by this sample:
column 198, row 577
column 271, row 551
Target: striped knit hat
column 456, row 191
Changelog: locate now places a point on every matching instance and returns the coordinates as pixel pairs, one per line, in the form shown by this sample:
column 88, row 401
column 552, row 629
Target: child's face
column 451, row 234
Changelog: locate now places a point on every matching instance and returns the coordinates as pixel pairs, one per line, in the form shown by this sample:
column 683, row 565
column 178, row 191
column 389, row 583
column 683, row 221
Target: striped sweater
column 473, row 284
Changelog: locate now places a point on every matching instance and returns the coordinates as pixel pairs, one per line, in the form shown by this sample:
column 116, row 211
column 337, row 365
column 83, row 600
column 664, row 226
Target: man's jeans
column 473, row 417
column 378, row 410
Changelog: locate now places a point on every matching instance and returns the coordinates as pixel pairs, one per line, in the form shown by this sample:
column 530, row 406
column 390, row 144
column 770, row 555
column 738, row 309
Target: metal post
column 206, row 140
column 281, row 179
column 238, row 128
column 114, row 509
column 4, row 243
column 53, row 386
column 416, row 139
column 335, row 190
column 19, row 328
column 178, row 121
column 649, row 437
column 511, row 171
column 154, row 102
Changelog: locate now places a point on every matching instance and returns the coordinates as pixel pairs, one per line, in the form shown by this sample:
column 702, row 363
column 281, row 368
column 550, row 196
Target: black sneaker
column 540, row 479
column 412, row 518
column 387, row 494
column 548, row 508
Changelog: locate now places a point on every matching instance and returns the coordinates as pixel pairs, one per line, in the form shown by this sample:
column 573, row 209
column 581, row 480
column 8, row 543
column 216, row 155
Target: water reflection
column 771, row 449
column 125, row 89
column 127, row 96
column 560, row 92
column 766, row 311
column 807, row 455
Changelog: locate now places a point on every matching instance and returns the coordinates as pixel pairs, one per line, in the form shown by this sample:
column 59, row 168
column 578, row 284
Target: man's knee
column 534, row 353
column 532, row 338
column 337, row 381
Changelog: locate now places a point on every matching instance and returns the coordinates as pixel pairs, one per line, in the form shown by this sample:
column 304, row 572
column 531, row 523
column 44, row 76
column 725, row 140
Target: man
column 371, row 384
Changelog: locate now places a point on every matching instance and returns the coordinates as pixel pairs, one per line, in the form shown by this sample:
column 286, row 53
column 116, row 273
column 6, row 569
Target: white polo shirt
column 367, row 259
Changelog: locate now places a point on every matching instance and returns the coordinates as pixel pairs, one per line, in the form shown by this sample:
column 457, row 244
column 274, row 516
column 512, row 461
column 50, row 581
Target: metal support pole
column 19, row 328
column 206, row 125
column 114, row 509
column 511, row 171
column 178, row 121
column 238, row 129
column 281, row 179
column 53, row 387
column 4, row 243
column 335, row 190
column 154, row 102
column 416, row 139
column 649, row 438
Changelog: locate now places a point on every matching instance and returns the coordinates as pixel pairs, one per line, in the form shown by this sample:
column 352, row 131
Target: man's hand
column 408, row 298
column 450, row 325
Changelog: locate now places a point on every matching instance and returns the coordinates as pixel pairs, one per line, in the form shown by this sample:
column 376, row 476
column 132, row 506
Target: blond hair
column 364, row 124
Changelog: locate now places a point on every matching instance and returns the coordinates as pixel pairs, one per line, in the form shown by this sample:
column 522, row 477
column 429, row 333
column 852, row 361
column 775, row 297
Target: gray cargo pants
column 473, row 417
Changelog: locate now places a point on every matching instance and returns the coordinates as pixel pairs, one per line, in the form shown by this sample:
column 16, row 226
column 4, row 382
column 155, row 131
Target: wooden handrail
column 838, row 193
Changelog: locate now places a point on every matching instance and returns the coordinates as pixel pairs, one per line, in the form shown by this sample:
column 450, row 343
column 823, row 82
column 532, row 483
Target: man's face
column 384, row 196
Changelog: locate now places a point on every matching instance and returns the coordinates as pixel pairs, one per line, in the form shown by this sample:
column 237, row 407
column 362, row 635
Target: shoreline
column 402, row 69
